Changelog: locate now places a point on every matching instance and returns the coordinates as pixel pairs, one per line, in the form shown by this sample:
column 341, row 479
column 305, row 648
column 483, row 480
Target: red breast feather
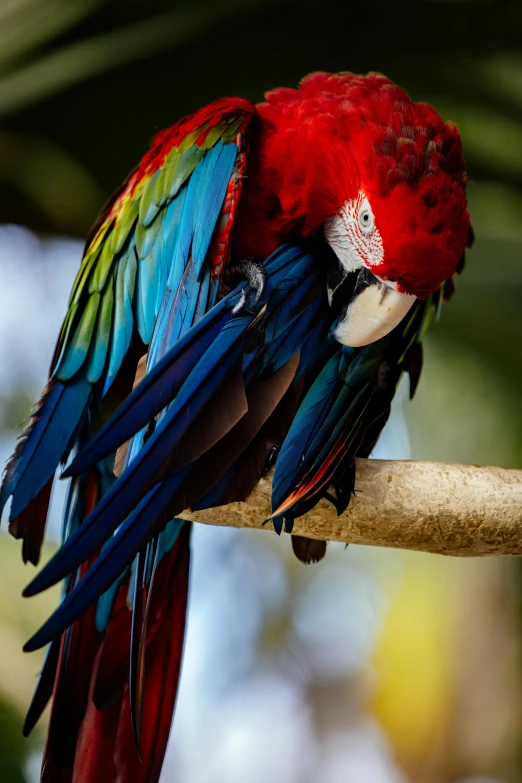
column 320, row 144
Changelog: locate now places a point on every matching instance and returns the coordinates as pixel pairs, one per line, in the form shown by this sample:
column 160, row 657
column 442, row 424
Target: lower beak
column 372, row 310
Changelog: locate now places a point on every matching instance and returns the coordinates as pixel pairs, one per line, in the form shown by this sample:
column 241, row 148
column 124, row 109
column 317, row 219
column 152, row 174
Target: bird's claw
column 240, row 304
column 255, row 275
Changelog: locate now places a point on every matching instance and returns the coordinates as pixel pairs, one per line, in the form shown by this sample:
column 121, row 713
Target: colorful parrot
column 250, row 296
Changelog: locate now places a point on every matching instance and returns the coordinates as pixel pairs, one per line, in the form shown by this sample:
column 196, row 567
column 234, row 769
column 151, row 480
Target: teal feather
column 161, row 264
column 172, row 219
column 103, row 334
column 211, row 201
column 145, row 298
column 146, row 235
column 78, row 346
column 123, row 324
column 70, row 320
column 119, row 329
column 148, row 203
column 105, row 606
column 131, row 269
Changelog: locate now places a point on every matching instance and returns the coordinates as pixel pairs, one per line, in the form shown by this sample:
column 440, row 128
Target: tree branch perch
column 460, row 510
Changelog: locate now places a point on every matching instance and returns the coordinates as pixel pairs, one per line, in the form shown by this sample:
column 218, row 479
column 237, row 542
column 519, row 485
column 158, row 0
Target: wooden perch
column 427, row 506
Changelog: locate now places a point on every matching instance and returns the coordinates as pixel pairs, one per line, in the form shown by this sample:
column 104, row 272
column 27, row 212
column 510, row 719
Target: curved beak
column 372, row 310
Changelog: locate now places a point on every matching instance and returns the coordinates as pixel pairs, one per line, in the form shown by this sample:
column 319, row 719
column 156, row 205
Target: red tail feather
column 30, row 525
column 94, row 758
column 90, row 734
column 71, row 692
column 112, row 671
column 165, row 637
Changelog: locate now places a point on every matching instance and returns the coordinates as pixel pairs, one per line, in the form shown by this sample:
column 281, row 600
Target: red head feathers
column 358, row 149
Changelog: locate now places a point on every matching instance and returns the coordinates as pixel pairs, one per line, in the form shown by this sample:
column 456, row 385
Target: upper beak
column 372, row 310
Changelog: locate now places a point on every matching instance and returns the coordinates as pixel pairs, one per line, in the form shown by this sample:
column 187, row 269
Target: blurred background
column 376, row 666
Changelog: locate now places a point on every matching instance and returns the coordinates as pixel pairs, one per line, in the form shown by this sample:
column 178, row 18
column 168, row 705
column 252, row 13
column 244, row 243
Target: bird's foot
column 344, row 488
column 271, row 458
column 253, row 272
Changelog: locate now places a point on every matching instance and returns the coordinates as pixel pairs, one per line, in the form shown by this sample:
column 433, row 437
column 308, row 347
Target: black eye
column 365, row 219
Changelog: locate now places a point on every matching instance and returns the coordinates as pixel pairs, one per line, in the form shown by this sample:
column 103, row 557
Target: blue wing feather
column 307, row 423
column 100, row 345
column 109, row 565
column 292, row 337
column 192, row 398
column 145, row 299
column 47, row 441
column 223, row 158
column 44, row 689
column 324, row 412
column 142, row 473
column 156, row 390
column 75, row 354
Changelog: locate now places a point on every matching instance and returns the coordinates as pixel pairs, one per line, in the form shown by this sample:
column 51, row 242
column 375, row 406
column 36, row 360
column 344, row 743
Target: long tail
column 88, row 669
column 105, row 748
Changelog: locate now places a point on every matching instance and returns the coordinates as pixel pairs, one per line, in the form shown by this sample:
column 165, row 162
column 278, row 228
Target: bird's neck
column 295, row 181
column 262, row 223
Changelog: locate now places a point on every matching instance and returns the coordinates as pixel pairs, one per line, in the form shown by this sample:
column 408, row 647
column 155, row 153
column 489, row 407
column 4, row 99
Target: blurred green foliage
column 18, row 672
column 12, row 749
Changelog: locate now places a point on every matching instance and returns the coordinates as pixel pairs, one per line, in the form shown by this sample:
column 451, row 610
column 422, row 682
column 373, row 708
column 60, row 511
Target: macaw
column 250, row 296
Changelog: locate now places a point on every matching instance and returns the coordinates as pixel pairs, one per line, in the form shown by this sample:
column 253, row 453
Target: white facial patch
column 353, row 235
